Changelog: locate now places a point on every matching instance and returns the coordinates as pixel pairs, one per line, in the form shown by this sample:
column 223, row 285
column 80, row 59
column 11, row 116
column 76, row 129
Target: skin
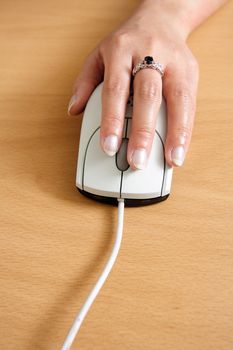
column 159, row 29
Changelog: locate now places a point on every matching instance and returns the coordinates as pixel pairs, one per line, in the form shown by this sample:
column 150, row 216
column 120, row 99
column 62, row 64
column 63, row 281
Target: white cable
column 91, row 297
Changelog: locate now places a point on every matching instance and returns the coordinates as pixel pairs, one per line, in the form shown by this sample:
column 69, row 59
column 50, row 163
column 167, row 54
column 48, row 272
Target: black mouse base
column 129, row 202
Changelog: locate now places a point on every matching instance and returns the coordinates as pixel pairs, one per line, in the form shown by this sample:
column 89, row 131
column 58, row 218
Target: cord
column 93, row 294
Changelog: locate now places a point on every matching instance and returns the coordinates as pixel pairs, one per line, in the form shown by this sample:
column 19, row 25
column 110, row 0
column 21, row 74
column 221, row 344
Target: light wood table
column 172, row 285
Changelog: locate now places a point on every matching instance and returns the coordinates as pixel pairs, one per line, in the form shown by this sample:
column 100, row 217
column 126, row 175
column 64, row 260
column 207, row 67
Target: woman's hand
column 157, row 31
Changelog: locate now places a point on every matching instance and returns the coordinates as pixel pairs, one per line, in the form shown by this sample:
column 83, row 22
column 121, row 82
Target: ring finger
column 147, row 88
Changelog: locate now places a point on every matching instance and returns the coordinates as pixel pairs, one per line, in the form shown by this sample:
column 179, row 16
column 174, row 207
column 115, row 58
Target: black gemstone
column 148, row 59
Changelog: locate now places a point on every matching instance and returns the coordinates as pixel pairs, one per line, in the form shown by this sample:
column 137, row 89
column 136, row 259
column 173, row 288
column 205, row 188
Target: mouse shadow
column 48, row 158
column 47, row 153
column 46, row 335
column 50, row 163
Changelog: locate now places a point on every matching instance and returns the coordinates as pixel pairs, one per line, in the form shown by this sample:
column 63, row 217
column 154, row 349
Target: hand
column 151, row 31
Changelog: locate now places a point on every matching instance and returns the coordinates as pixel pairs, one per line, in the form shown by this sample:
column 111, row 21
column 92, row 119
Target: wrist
column 186, row 15
column 173, row 14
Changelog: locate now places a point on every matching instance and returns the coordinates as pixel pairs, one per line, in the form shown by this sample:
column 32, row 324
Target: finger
column 147, row 100
column 90, row 76
column 180, row 89
column 115, row 94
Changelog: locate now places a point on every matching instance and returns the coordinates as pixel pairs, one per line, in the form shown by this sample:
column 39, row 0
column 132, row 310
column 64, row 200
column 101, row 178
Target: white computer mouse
column 106, row 178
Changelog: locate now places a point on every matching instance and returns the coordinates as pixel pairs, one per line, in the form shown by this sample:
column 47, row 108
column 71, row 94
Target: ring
column 148, row 62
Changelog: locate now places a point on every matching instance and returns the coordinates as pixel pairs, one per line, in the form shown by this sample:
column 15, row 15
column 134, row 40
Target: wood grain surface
column 172, row 285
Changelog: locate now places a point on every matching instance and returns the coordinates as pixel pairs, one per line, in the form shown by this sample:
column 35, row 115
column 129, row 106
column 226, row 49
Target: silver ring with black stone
column 148, row 62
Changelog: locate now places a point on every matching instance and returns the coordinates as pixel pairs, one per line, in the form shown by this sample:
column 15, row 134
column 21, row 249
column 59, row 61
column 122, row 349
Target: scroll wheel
column 121, row 156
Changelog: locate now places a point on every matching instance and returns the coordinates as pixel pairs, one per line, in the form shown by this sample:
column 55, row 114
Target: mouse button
column 146, row 183
column 93, row 111
column 121, row 156
column 100, row 174
column 161, row 120
column 167, row 180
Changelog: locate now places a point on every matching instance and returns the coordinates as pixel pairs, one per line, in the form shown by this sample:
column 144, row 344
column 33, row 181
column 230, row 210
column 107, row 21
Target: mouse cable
column 93, row 294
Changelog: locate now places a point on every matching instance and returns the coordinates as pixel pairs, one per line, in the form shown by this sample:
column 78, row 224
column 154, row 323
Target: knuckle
column 111, row 122
column 149, row 92
column 193, row 65
column 184, row 131
column 117, row 41
column 151, row 42
column 120, row 39
column 114, row 87
column 144, row 132
column 182, row 93
column 177, row 50
column 184, row 96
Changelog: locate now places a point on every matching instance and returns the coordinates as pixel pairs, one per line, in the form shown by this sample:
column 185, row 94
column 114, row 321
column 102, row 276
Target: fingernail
column 139, row 158
column 110, row 145
column 71, row 103
column 177, row 155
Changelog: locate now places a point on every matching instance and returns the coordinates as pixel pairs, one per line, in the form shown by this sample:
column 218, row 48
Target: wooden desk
column 172, row 285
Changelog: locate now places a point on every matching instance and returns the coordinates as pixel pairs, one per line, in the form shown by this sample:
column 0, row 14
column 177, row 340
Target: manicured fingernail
column 71, row 103
column 110, row 145
column 139, row 158
column 182, row 140
column 177, row 155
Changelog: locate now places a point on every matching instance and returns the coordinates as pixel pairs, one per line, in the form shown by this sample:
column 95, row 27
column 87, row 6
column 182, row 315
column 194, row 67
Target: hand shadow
column 48, row 156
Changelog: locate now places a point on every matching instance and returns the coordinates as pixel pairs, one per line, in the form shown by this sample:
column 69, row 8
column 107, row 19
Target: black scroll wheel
column 121, row 156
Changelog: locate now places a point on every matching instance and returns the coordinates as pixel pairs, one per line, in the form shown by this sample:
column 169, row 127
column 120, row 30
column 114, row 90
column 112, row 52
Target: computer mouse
column 105, row 178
